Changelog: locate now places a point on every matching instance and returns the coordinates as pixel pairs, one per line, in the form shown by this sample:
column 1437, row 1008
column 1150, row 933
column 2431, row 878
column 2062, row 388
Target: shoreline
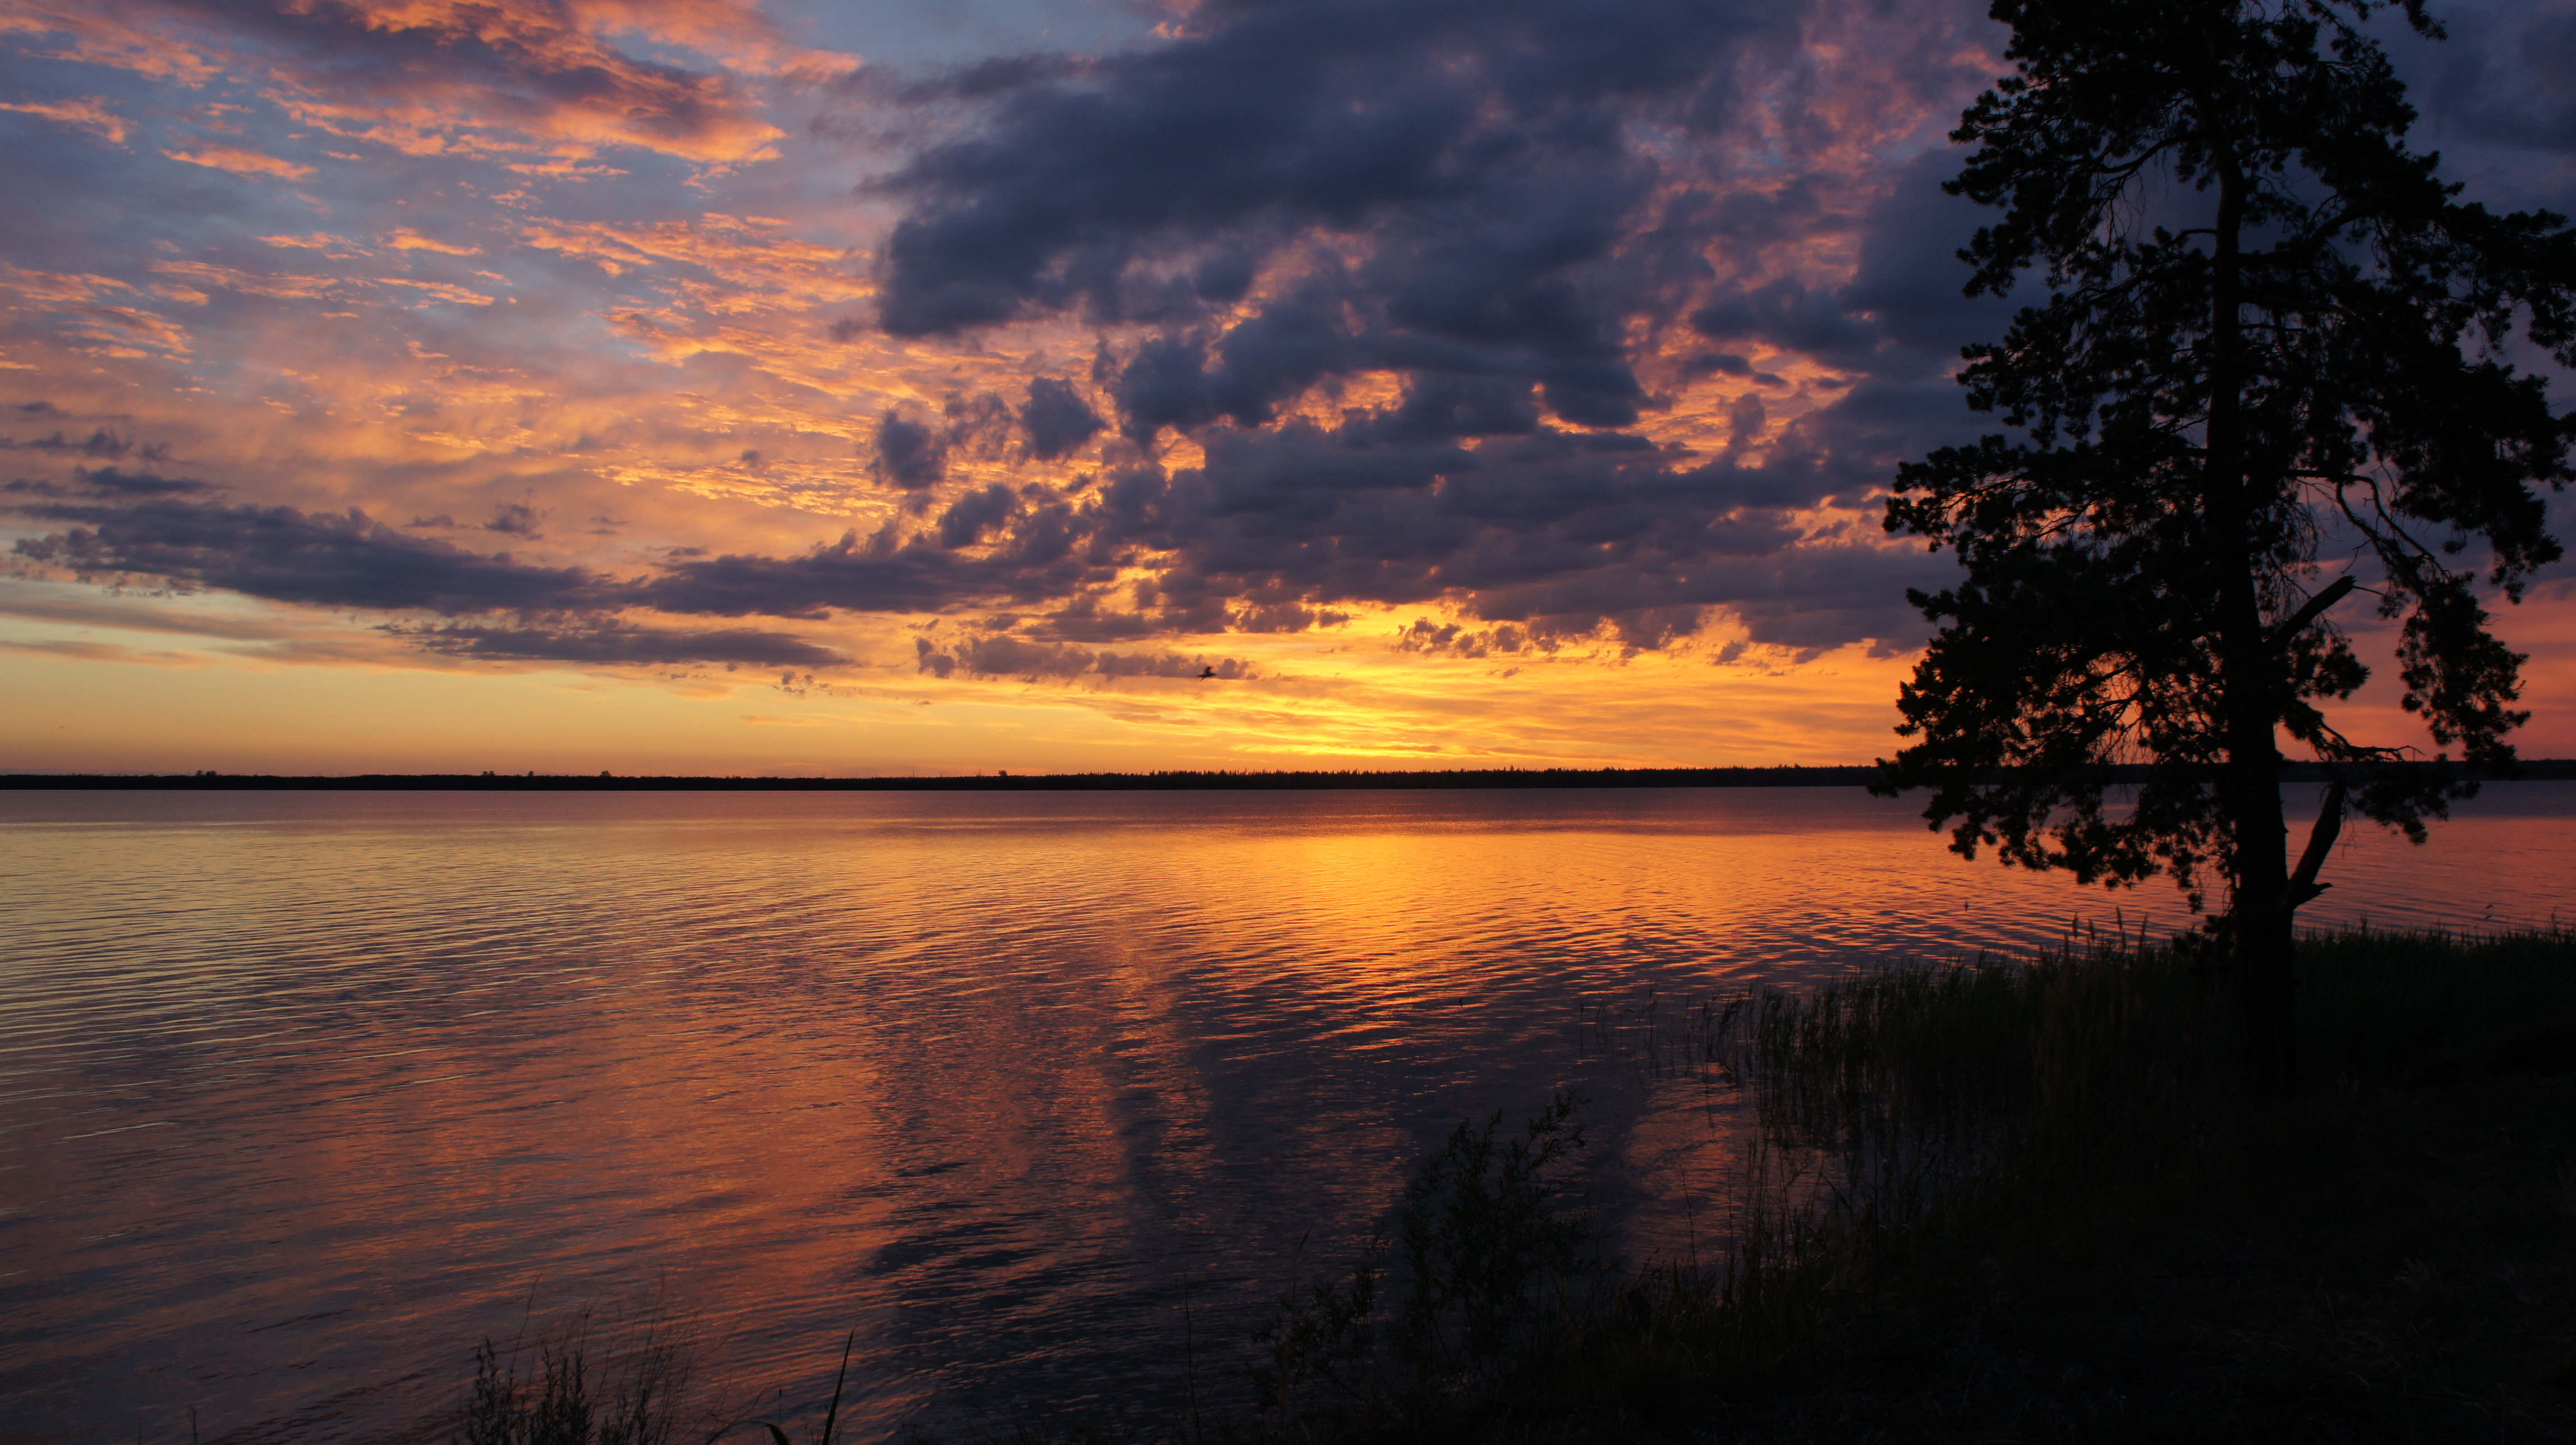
column 1847, row 775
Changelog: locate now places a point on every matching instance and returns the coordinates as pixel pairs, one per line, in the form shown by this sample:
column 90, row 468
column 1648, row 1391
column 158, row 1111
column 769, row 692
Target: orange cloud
column 746, row 253
column 440, row 291
column 406, row 239
column 734, row 31
column 281, row 288
column 241, row 162
column 562, row 170
column 435, row 77
column 91, row 312
column 96, row 34
column 558, row 85
column 103, row 652
column 89, row 115
column 318, row 241
column 127, row 615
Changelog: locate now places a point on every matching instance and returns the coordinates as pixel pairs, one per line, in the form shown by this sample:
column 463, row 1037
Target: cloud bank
column 1558, row 327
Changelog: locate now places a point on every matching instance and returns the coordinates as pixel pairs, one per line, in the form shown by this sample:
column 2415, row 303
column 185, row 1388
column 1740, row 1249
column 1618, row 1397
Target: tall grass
column 1908, row 1126
column 1912, row 1121
column 1487, row 1266
column 1907, row 1102
column 2378, row 1006
column 570, row 1389
column 564, row 1390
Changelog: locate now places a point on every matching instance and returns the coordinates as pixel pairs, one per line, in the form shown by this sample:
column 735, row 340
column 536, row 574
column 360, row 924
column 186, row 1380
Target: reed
column 1490, row 1263
column 2380, row 1006
column 1922, row 1107
column 1937, row 1105
column 569, row 1389
column 1913, row 1130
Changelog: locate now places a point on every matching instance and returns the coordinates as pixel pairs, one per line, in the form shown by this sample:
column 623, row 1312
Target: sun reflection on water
column 307, row 1093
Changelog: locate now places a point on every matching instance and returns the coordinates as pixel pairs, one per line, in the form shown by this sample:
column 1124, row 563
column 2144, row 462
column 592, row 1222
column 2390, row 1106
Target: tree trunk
column 2259, row 923
column 2259, row 911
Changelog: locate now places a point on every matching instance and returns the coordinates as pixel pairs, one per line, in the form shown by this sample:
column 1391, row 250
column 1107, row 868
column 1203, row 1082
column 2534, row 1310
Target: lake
column 304, row 1094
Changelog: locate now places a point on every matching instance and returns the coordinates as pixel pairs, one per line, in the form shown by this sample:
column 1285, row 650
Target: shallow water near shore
column 301, row 1095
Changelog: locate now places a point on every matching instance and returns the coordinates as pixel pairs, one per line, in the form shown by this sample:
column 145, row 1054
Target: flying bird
column 1206, row 672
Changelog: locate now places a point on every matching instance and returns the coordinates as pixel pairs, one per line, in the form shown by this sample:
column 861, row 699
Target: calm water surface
column 303, row 1094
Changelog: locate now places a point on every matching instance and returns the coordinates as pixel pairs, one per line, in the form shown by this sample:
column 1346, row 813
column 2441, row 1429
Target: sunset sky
column 806, row 387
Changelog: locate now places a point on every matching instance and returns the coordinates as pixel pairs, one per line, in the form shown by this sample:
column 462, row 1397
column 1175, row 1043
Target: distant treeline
column 1841, row 776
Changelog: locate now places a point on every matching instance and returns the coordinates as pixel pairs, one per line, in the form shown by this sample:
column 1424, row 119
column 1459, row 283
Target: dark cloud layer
column 1056, row 418
column 2505, row 77
column 531, row 63
column 1474, row 167
column 108, row 482
column 618, row 645
column 1274, row 118
column 910, row 454
column 327, row 559
column 1001, row 655
column 1044, row 555
column 1456, row 194
column 101, row 442
column 1470, row 489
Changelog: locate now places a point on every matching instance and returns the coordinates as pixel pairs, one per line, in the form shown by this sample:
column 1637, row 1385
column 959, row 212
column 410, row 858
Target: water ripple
column 301, row 1095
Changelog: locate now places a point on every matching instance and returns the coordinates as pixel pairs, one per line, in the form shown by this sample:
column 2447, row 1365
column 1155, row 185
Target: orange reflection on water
column 313, row 1092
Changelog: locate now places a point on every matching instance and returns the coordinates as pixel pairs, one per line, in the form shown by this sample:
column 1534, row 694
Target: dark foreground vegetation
column 2012, row 1200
